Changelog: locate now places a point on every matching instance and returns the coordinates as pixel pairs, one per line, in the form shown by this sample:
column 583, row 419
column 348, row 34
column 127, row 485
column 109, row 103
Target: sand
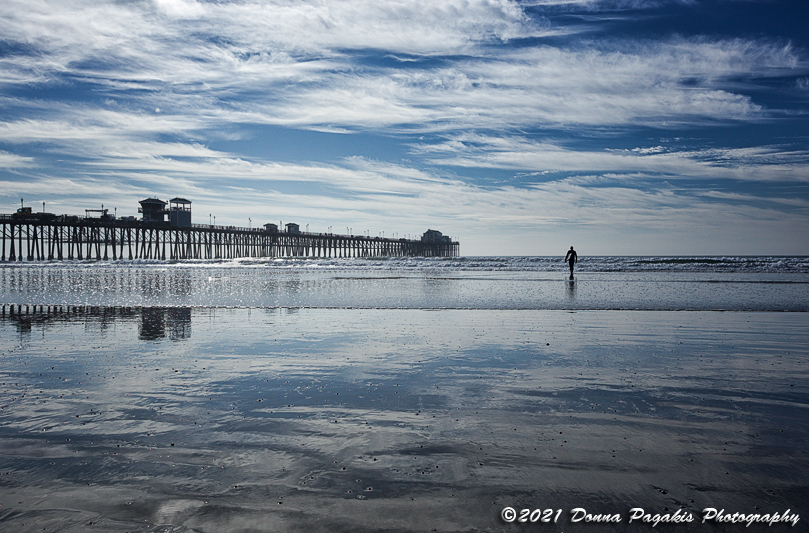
column 200, row 419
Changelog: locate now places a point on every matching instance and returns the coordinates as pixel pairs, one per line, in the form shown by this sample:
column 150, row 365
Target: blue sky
column 622, row 127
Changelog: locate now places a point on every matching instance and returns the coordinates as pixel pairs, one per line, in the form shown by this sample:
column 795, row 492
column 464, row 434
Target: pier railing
column 39, row 238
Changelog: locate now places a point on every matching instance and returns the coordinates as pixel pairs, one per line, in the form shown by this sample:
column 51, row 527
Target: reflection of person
column 571, row 259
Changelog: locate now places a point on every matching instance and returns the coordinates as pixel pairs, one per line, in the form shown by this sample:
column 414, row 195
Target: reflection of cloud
column 418, row 406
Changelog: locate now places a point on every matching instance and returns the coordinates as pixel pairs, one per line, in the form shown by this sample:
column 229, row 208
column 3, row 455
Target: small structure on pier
column 180, row 213
column 434, row 236
column 293, row 228
column 153, row 209
column 103, row 213
column 25, row 214
column 271, row 228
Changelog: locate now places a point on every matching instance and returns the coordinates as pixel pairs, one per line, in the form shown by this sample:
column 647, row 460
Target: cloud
column 10, row 161
column 304, row 65
column 380, row 196
column 628, row 84
column 96, row 125
column 465, row 86
column 765, row 163
column 135, row 30
column 603, row 5
column 752, row 198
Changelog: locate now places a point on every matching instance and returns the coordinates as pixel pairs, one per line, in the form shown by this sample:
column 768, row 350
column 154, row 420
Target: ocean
column 617, row 283
column 405, row 394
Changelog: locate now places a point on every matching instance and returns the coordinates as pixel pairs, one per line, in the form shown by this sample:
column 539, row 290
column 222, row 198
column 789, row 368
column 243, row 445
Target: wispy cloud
column 9, row 161
column 295, row 64
column 104, row 99
column 763, row 163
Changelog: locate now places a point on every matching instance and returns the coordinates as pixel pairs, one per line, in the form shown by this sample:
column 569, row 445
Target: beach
column 418, row 416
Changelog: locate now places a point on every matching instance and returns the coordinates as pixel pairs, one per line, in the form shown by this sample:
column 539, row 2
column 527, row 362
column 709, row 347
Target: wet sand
column 349, row 286
column 201, row 419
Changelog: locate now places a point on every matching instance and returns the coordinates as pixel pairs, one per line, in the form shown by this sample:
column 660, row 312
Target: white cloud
column 751, row 198
column 294, row 63
column 153, row 84
column 131, row 29
column 9, row 160
column 656, row 84
column 378, row 196
column 766, row 163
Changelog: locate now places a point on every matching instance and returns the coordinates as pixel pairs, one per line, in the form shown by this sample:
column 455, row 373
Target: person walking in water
column 571, row 259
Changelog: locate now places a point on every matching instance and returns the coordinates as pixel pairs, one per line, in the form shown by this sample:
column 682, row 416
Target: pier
column 30, row 236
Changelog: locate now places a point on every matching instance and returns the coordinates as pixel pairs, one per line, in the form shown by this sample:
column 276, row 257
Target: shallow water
column 506, row 283
column 128, row 418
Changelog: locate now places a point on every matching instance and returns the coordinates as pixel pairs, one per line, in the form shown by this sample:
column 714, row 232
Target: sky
column 621, row 127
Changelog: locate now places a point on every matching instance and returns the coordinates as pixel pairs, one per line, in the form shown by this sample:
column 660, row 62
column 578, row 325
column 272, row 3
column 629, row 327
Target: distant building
column 180, row 212
column 293, row 228
column 153, row 209
column 271, row 228
column 433, row 236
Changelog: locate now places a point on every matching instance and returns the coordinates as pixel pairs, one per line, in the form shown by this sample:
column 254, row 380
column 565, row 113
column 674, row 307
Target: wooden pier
column 56, row 238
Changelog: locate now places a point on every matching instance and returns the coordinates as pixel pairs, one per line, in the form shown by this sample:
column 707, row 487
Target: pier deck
column 75, row 238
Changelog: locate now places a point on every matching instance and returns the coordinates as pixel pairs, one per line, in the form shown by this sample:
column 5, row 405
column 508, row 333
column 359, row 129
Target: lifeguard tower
column 180, row 213
column 153, row 210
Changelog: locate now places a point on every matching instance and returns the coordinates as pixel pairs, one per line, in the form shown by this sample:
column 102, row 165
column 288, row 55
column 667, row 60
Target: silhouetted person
column 571, row 259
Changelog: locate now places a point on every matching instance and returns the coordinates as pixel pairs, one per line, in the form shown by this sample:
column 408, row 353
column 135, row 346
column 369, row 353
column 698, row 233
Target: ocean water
column 618, row 283
column 404, row 395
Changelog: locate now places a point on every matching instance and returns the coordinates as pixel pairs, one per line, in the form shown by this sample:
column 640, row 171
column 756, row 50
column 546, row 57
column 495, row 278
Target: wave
column 539, row 264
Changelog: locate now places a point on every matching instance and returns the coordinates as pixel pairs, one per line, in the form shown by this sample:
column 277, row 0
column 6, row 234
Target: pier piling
column 59, row 238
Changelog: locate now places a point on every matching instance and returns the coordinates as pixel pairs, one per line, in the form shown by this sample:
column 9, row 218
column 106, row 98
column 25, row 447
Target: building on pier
column 180, row 213
column 434, row 236
column 153, row 210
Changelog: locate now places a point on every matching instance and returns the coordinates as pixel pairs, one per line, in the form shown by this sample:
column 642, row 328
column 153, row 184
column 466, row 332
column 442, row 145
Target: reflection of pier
column 44, row 236
column 25, row 316
column 155, row 323
column 161, row 322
